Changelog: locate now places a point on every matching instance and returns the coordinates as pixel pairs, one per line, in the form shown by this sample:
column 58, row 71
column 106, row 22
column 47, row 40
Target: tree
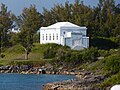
column 30, row 23
column 104, row 16
column 5, row 25
column 47, row 17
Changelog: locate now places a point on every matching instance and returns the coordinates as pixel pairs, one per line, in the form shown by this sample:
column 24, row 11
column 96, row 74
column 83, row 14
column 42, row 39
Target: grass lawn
column 15, row 55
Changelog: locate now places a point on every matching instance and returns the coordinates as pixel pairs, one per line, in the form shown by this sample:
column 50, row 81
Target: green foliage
column 51, row 50
column 15, row 56
column 104, row 43
column 36, row 38
column 108, row 65
column 13, row 38
column 30, row 23
column 5, row 25
column 2, row 55
column 115, row 79
column 112, row 64
column 69, row 57
column 49, row 53
column 90, row 54
column 102, row 20
column 103, row 53
column 38, row 48
column 15, row 49
column 28, row 62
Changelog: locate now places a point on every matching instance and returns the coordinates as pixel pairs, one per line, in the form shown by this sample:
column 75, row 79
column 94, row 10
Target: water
column 28, row 82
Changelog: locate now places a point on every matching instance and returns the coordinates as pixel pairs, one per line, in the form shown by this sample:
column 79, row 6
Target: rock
column 24, row 67
column 115, row 87
column 80, row 83
column 79, row 76
column 4, row 67
column 42, row 71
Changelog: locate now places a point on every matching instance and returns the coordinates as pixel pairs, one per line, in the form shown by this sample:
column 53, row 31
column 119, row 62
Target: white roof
column 63, row 24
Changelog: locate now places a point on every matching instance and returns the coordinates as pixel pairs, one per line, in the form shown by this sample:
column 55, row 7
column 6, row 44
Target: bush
column 53, row 49
column 49, row 53
column 27, row 62
column 75, row 57
column 36, row 38
column 115, row 79
column 90, row 54
column 2, row 55
column 112, row 64
column 104, row 43
column 103, row 53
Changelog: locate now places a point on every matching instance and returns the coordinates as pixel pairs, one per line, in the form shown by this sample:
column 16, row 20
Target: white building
column 65, row 33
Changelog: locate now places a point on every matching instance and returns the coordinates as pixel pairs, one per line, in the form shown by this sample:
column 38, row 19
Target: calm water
column 28, row 82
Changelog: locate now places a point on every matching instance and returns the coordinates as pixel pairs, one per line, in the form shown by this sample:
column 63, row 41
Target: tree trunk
column 26, row 54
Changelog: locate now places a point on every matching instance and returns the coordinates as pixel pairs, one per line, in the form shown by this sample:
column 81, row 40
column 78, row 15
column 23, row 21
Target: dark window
column 46, row 36
column 49, row 36
column 53, row 37
column 57, row 36
column 43, row 36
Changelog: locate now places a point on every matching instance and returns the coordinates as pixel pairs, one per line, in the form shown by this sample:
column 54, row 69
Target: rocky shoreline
column 26, row 69
column 84, row 80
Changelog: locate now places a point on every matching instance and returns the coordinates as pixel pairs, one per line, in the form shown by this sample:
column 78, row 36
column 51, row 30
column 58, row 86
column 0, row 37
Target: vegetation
column 15, row 56
column 102, row 21
column 113, row 80
column 5, row 25
column 29, row 24
column 70, row 58
column 109, row 66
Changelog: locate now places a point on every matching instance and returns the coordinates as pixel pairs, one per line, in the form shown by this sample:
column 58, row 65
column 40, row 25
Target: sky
column 16, row 6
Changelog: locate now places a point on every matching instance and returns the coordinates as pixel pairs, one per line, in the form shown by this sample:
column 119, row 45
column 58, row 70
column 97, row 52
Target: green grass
column 16, row 54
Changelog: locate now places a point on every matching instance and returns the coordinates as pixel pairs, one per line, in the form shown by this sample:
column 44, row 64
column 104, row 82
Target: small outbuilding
column 65, row 33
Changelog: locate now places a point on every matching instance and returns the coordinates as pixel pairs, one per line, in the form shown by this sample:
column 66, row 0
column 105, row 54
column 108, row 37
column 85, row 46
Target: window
column 43, row 36
column 53, row 37
column 46, row 36
column 49, row 36
column 57, row 36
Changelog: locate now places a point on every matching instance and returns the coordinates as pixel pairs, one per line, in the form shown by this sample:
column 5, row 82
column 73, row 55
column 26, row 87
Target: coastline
column 84, row 80
column 88, row 81
column 26, row 69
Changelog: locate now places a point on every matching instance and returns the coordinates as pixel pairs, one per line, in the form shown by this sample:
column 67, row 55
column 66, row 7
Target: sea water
column 29, row 81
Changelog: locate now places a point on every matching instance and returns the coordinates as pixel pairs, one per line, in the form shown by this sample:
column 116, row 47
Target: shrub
column 112, row 64
column 53, row 49
column 75, row 57
column 27, row 62
column 103, row 53
column 49, row 53
column 104, row 43
column 115, row 79
column 2, row 55
column 90, row 54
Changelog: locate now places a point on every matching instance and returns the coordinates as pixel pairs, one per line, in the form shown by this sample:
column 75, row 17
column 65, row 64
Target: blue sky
column 16, row 6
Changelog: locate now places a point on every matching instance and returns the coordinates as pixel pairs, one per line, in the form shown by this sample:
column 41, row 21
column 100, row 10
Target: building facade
column 65, row 33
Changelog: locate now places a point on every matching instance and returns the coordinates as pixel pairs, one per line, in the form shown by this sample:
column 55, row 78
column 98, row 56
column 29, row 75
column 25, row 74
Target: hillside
column 109, row 67
column 15, row 54
column 100, row 62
